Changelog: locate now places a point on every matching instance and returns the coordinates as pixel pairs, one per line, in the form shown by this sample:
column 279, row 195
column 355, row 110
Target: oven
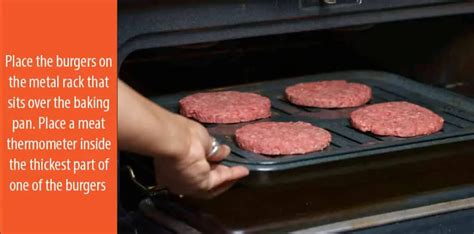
column 417, row 51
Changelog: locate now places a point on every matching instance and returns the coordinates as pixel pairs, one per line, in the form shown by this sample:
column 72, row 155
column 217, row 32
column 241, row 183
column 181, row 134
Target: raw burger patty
column 329, row 94
column 402, row 119
column 282, row 138
column 225, row 107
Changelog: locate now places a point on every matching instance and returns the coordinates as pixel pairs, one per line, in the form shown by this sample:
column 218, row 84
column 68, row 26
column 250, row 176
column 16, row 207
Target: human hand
column 192, row 173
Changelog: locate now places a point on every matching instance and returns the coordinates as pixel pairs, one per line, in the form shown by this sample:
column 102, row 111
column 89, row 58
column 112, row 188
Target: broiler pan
column 458, row 112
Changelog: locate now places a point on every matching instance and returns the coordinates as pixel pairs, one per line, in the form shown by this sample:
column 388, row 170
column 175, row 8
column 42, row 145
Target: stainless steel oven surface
column 416, row 51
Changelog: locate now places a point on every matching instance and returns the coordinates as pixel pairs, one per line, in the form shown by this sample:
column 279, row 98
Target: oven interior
column 435, row 51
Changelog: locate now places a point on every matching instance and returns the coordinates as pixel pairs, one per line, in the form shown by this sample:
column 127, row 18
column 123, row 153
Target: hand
column 179, row 146
column 192, row 173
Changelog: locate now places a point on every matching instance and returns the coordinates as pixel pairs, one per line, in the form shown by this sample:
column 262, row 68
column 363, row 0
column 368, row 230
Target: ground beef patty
column 402, row 119
column 329, row 94
column 225, row 107
column 282, row 138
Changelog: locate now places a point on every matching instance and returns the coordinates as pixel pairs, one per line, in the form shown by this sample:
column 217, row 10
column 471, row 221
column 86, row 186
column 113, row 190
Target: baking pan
column 347, row 143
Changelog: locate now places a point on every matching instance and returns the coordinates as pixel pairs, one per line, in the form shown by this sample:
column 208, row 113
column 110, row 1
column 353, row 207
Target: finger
column 211, row 146
column 216, row 191
column 221, row 174
column 222, row 153
column 205, row 138
column 221, row 189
